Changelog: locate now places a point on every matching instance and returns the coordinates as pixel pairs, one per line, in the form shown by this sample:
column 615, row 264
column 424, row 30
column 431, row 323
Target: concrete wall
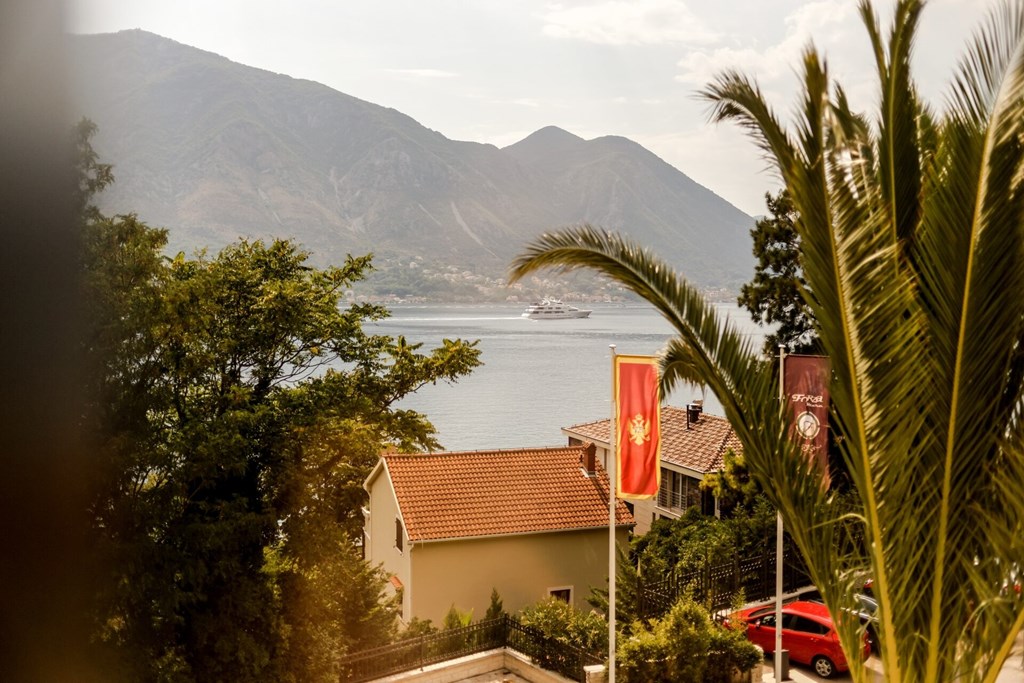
column 522, row 568
column 494, row 661
column 497, row 661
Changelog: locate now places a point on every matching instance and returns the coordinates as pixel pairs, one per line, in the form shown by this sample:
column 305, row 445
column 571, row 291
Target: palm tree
column 912, row 236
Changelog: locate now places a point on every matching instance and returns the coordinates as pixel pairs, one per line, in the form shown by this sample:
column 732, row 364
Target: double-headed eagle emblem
column 639, row 430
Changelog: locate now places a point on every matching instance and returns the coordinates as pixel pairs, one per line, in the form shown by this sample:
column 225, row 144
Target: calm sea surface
column 538, row 375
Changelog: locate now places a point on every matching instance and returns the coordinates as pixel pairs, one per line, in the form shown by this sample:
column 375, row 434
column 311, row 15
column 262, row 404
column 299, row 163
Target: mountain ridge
column 215, row 150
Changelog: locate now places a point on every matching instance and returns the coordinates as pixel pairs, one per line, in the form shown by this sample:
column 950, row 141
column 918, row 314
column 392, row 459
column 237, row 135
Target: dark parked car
column 807, row 633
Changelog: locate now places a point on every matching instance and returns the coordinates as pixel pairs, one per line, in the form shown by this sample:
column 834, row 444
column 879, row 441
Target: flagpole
column 612, row 466
column 778, row 542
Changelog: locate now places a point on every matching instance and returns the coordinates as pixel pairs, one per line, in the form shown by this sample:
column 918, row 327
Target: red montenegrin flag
column 805, row 383
column 638, row 427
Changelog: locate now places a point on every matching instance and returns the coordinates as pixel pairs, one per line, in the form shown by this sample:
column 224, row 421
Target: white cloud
column 827, row 21
column 626, row 22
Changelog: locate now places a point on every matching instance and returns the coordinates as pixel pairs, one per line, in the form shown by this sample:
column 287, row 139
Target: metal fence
column 503, row 632
column 719, row 586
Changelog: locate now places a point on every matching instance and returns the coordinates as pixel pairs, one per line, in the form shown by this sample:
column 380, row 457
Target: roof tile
column 699, row 446
column 487, row 493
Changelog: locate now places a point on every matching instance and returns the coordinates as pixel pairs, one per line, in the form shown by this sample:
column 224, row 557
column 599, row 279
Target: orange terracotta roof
column 489, row 493
column 702, row 447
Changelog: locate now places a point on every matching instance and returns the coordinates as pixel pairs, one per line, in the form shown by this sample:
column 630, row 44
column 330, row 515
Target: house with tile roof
column 693, row 444
column 450, row 527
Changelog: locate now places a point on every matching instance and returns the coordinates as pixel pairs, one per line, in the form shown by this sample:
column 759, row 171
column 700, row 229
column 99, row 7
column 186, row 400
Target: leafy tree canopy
column 236, row 409
column 775, row 297
column 695, row 541
column 732, row 486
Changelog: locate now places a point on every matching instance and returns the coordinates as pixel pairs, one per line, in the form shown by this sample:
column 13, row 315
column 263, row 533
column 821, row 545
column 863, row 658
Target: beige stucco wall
column 644, row 512
column 523, row 569
column 379, row 534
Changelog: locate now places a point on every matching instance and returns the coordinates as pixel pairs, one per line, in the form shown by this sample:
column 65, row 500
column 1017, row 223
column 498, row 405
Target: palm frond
column 734, row 97
column 912, row 248
column 899, row 152
column 712, row 351
column 974, row 223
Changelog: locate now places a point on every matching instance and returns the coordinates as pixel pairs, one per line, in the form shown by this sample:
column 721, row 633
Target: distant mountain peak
column 552, row 134
column 548, row 137
column 213, row 150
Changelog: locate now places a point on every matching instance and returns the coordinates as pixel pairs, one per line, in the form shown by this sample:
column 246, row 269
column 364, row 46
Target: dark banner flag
column 638, row 428
column 805, row 384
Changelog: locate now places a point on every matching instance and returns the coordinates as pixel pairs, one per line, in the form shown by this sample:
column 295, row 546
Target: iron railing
column 718, row 586
column 502, row 632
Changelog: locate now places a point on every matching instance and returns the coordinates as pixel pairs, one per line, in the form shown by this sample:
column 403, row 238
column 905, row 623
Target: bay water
column 537, row 375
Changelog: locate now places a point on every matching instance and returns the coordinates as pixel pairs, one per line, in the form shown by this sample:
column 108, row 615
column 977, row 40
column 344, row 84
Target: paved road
column 1013, row 671
column 804, row 674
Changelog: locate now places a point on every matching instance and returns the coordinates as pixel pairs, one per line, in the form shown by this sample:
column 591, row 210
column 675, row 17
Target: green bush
column 563, row 622
column 454, row 621
column 416, row 628
column 729, row 651
column 685, row 646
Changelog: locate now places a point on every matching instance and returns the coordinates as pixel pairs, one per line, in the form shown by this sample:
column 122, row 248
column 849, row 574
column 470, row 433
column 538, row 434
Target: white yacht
column 553, row 309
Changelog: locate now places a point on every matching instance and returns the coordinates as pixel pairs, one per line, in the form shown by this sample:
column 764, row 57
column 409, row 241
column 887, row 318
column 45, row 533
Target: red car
column 807, row 632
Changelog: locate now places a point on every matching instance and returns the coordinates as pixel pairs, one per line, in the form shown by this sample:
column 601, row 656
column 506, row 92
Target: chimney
column 693, row 411
column 590, row 458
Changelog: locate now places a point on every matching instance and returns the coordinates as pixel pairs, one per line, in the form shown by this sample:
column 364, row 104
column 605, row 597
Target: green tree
column 92, row 176
column 773, row 297
column 732, row 486
column 695, row 541
column 912, row 244
column 496, row 608
column 235, row 410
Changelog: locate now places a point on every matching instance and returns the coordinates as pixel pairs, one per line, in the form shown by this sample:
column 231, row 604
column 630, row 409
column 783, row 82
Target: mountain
column 214, row 150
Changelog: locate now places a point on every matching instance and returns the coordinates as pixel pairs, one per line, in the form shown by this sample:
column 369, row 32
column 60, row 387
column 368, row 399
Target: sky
column 494, row 71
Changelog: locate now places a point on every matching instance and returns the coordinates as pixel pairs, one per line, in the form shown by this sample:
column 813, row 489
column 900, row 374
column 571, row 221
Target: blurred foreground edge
column 45, row 575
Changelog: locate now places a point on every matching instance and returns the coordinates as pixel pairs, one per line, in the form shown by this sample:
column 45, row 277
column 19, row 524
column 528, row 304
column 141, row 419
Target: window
column 798, row 623
column 678, row 491
column 399, row 535
column 564, row 594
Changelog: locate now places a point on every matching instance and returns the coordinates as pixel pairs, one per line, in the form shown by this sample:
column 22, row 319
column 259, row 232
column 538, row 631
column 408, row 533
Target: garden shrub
column 685, row 646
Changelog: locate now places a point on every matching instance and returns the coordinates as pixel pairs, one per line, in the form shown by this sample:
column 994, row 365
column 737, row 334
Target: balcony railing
column 676, row 500
column 502, row 632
